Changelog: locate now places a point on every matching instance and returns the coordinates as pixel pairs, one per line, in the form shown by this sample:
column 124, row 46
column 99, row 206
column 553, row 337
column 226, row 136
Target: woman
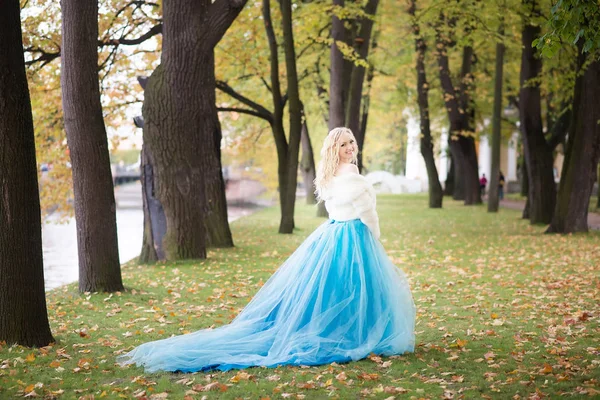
column 338, row 297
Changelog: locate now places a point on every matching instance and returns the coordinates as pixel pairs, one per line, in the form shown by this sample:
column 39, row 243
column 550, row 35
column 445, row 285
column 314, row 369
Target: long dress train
column 338, row 297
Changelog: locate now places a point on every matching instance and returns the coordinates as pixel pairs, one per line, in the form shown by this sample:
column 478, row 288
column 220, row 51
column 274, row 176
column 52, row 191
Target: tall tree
column 182, row 133
column 460, row 115
column 99, row 267
column 337, row 112
column 581, row 157
column 353, row 34
column 493, row 199
column 287, row 145
column 295, row 120
column 23, row 313
column 357, row 77
column 436, row 194
column 337, row 79
column 579, row 23
column 288, row 149
column 539, row 159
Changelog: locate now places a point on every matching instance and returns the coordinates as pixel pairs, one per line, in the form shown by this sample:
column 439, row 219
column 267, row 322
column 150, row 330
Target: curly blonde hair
column 330, row 158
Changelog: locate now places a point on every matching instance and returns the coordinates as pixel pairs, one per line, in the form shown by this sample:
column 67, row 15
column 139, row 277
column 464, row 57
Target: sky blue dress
column 338, row 297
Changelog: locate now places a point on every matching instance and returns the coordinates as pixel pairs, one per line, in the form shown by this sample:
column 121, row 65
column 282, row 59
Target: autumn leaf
column 547, row 369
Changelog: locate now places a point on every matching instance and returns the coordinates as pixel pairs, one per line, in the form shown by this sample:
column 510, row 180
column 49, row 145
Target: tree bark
column 598, row 187
column 295, row 120
column 155, row 224
column 493, row 199
column 435, row 188
column 308, row 163
column 538, row 155
column 582, row 155
column 23, row 313
column 449, row 184
column 218, row 233
column 95, row 218
column 357, row 79
column 337, row 114
column 461, row 135
column 182, row 131
column 340, row 69
column 525, row 188
column 524, row 178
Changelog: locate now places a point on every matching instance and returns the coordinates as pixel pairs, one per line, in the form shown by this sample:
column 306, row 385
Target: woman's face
column 347, row 148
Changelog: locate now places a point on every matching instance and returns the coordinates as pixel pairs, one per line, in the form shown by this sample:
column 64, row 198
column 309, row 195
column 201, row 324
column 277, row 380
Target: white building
column 415, row 165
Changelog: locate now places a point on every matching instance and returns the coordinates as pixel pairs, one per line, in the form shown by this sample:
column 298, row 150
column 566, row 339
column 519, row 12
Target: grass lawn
column 504, row 311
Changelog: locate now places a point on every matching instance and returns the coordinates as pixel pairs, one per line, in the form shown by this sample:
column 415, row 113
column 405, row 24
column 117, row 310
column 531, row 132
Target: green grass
column 503, row 311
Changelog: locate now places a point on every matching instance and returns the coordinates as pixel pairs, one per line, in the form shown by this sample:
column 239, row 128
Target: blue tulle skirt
column 338, row 297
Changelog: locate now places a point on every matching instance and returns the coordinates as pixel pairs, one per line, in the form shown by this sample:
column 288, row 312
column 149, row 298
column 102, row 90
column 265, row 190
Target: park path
column 593, row 218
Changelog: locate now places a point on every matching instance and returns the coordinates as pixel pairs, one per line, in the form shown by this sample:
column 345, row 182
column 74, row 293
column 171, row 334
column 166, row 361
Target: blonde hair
column 330, row 158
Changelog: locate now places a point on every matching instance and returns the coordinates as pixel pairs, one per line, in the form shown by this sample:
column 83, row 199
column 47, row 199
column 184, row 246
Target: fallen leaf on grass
column 211, row 387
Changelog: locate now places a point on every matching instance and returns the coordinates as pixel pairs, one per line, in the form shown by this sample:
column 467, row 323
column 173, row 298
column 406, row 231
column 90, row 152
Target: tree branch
column 246, row 111
column 258, row 109
column 47, row 57
column 278, row 131
column 155, row 30
column 44, row 58
column 221, row 15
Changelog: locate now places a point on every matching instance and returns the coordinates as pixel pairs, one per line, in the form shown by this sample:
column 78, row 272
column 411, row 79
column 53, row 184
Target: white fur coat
column 351, row 196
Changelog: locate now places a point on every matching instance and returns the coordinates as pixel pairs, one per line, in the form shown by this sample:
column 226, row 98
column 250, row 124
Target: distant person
column 482, row 184
column 337, row 298
column 501, row 186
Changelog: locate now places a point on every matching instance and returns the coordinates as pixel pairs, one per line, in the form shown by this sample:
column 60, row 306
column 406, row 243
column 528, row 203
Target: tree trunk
column 218, row 233
column 524, row 178
column 181, row 127
column 582, row 155
column 337, row 115
column 340, row 69
column 23, row 313
column 435, row 188
column 449, row 184
column 155, row 224
column 598, row 187
column 470, row 169
column 358, row 77
column 308, row 163
column 287, row 150
column 538, row 155
column 295, row 120
column 364, row 117
column 493, row 199
column 99, row 266
column 460, row 137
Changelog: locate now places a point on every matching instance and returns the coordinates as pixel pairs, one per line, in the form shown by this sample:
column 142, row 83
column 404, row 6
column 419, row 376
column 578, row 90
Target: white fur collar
column 345, row 187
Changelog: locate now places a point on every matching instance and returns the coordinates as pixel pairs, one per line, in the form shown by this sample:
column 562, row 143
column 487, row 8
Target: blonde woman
column 337, row 298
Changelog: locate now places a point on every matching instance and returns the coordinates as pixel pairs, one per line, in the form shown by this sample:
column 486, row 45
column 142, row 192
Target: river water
column 59, row 241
